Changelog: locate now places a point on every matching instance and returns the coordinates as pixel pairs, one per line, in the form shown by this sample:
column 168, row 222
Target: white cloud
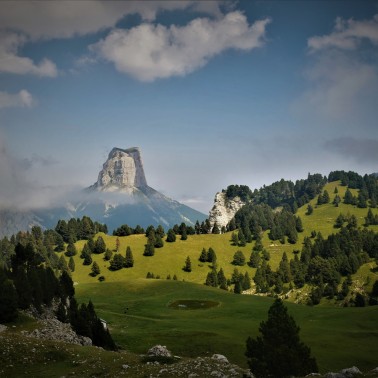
column 65, row 19
column 347, row 35
column 342, row 74
column 10, row 62
column 21, row 99
column 148, row 51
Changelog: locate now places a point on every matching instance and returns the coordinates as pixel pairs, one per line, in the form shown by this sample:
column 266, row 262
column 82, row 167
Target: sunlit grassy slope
column 139, row 316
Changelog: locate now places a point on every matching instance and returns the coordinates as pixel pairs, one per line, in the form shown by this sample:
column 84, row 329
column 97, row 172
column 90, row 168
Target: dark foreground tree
column 278, row 352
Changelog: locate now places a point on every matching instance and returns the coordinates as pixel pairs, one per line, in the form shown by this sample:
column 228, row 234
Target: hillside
column 176, row 306
column 139, row 311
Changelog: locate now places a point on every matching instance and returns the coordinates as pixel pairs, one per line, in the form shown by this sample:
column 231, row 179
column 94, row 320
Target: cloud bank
column 21, row 99
column 148, row 52
column 10, row 62
column 347, row 35
column 342, row 74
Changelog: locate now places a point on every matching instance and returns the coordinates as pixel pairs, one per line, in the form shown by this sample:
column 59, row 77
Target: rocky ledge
column 53, row 329
column 224, row 209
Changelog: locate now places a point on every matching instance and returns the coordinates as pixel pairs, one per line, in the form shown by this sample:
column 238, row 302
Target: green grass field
column 139, row 315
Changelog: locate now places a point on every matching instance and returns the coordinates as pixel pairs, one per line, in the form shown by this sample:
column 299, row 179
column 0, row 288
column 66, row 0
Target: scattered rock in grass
column 159, row 351
column 220, row 358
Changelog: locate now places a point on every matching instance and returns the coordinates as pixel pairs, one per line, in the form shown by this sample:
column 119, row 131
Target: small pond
column 192, row 304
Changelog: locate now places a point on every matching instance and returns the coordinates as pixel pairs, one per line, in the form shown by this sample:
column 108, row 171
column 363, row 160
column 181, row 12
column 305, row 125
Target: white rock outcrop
column 122, row 171
column 224, row 209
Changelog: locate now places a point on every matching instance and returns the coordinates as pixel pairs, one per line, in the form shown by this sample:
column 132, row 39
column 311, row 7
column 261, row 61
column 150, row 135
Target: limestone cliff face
column 122, row 171
column 224, row 209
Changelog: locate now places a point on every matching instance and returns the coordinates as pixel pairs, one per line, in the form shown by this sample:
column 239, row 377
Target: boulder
column 220, row 358
column 159, row 351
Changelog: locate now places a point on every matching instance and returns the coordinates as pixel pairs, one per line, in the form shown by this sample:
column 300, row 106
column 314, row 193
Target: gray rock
column 224, row 209
column 220, row 358
column 123, row 170
column 3, row 328
column 351, row 372
column 159, row 351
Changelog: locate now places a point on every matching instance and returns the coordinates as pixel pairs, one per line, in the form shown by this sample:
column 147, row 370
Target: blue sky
column 214, row 93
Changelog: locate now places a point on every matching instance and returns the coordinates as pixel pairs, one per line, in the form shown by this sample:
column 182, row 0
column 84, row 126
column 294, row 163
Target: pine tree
column 149, row 250
column 241, row 237
column 62, row 265
column 279, row 342
column 71, row 264
column 238, row 289
column 184, row 235
column 310, row 210
column 129, row 259
column 159, row 243
column 254, row 260
column 95, row 269
column 188, row 265
column 234, row 239
column 211, row 256
column 239, row 258
column 203, row 256
column 8, row 299
column 171, row 236
column 108, row 255
column 222, row 281
column 246, row 283
column 212, row 278
column 71, row 250
column 87, row 258
column 215, row 229
column 117, row 262
column 100, row 246
column 59, row 243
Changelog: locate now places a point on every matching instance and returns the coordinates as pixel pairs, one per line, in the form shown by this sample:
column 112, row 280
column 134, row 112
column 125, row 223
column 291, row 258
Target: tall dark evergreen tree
column 8, row 299
column 129, row 259
column 188, row 265
column 100, row 246
column 239, row 258
column 278, row 352
column 171, row 236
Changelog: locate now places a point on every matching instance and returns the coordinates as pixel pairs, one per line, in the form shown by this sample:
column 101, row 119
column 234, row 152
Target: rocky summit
column 119, row 196
column 123, row 171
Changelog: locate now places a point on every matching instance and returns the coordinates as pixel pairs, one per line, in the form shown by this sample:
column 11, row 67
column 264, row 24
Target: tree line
column 31, row 282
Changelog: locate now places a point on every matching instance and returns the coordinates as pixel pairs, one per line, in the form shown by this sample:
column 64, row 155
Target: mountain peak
column 122, row 171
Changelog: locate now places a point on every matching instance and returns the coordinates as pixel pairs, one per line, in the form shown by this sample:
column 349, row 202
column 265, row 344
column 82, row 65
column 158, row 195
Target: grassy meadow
column 139, row 315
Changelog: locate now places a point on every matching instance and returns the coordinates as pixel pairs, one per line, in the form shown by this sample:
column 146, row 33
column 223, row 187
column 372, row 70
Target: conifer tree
column 171, row 236
column 279, row 342
column 188, row 265
column 117, row 262
column 8, row 299
column 108, row 255
column 129, row 259
column 246, row 282
column 100, row 246
column 149, row 250
column 95, row 269
column 203, row 256
column 71, row 264
column 215, row 229
column 71, row 250
column 222, row 281
column 239, row 258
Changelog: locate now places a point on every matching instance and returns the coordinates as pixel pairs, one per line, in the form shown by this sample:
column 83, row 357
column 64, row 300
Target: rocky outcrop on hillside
column 50, row 328
column 53, row 329
column 224, row 209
